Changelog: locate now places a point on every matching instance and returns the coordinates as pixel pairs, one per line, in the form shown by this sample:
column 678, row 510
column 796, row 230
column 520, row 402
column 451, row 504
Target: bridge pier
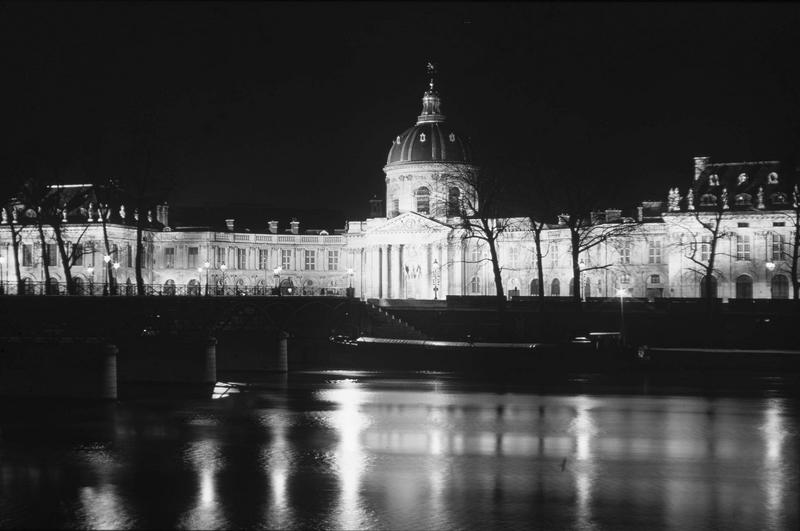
column 283, row 352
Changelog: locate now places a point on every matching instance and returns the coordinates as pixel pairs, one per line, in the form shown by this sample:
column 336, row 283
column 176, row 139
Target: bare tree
column 702, row 232
column 479, row 212
column 588, row 230
column 792, row 255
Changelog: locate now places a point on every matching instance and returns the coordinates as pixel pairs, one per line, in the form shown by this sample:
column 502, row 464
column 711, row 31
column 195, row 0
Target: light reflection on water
column 350, row 452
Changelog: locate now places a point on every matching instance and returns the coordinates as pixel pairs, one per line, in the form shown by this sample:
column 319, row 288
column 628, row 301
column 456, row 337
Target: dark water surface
column 348, row 450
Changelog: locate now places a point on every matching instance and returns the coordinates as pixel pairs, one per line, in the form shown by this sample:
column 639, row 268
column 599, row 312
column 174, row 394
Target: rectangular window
column 27, row 255
column 705, row 248
column 654, row 252
column 333, row 260
column 128, row 256
column 263, row 258
column 554, row 254
column 77, row 254
column 220, row 257
column 395, row 208
column 513, row 257
column 655, row 279
column 52, row 254
column 778, row 223
column 310, row 258
column 625, row 253
column 777, row 247
column 89, row 252
column 476, row 253
column 241, row 258
column 169, row 257
column 742, row 224
column 624, row 278
column 743, row 247
column 191, row 258
column 286, row 258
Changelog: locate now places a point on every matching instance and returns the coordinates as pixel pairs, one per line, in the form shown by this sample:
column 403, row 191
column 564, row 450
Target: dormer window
column 422, row 137
column 708, row 200
column 742, row 178
column 713, row 180
column 772, row 178
column 452, row 137
column 778, row 198
column 398, row 140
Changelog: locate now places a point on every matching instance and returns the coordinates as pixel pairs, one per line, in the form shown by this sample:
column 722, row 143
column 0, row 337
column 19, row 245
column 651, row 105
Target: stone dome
column 431, row 139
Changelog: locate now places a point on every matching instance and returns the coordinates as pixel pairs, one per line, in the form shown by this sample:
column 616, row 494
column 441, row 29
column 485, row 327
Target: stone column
column 390, row 289
column 401, row 277
column 381, row 273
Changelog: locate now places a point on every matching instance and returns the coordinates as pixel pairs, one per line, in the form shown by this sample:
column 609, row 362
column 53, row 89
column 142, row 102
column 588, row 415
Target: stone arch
column 779, row 287
column 744, row 287
column 169, row 288
column 193, row 287
column 555, row 288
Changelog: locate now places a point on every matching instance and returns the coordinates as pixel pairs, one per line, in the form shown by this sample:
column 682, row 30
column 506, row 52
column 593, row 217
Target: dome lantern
column 431, row 102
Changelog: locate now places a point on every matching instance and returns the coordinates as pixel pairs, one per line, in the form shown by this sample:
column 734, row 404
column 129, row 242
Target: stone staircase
column 386, row 325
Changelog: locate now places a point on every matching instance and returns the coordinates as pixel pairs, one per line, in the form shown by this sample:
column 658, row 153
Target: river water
column 353, row 450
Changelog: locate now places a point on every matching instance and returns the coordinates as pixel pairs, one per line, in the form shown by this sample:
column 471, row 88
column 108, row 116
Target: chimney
column 273, row 227
column 700, row 164
column 639, row 213
column 295, row 225
column 162, row 214
column 613, row 214
column 229, row 224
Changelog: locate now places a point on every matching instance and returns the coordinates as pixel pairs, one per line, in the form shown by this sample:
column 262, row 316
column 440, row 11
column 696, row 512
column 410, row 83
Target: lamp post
column 770, row 268
column 436, row 279
column 277, row 273
column 90, row 270
column 621, row 292
column 206, row 265
column 222, row 268
column 106, row 259
column 350, row 290
column 2, row 278
column 115, row 265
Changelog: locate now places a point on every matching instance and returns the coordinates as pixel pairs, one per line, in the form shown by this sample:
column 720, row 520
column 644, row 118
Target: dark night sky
column 296, row 104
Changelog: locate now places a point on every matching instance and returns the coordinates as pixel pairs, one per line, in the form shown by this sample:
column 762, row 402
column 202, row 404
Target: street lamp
column 90, row 270
column 436, row 279
column 277, row 273
column 106, row 259
column 621, row 293
column 114, row 283
column 222, row 268
column 206, row 265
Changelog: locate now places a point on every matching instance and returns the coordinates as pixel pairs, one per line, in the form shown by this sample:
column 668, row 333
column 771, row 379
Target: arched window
column 52, row 286
column 241, row 289
column 169, row 287
column 713, row 287
column 79, row 288
column 744, row 287
column 535, row 286
column 453, row 202
column 193, row 287
column 571, row 287
column 708, row 200
column 28, row 287
column 780, row 287
column 287, row 286
column 555, row 288
column 423, row 197
column 743, row 200
column 475, row 285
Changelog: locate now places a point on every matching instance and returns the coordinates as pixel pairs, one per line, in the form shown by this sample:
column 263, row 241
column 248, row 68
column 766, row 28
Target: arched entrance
column 193, row 287
column 78, row 285
column 169, row 287
column 555, row 288
column 744, row 287
column 779, row 287
column 287, row 286
column 535, row 286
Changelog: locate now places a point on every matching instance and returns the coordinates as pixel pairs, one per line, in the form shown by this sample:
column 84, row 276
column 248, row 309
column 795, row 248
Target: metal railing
column 164, row 290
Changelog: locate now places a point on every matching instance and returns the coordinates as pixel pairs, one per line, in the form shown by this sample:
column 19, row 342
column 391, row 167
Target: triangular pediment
column 411, row 222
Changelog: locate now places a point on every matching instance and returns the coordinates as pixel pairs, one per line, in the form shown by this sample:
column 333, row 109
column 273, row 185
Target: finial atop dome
column 430, row 100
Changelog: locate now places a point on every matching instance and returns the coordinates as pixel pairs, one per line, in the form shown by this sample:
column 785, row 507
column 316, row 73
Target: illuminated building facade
column 413, row 248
